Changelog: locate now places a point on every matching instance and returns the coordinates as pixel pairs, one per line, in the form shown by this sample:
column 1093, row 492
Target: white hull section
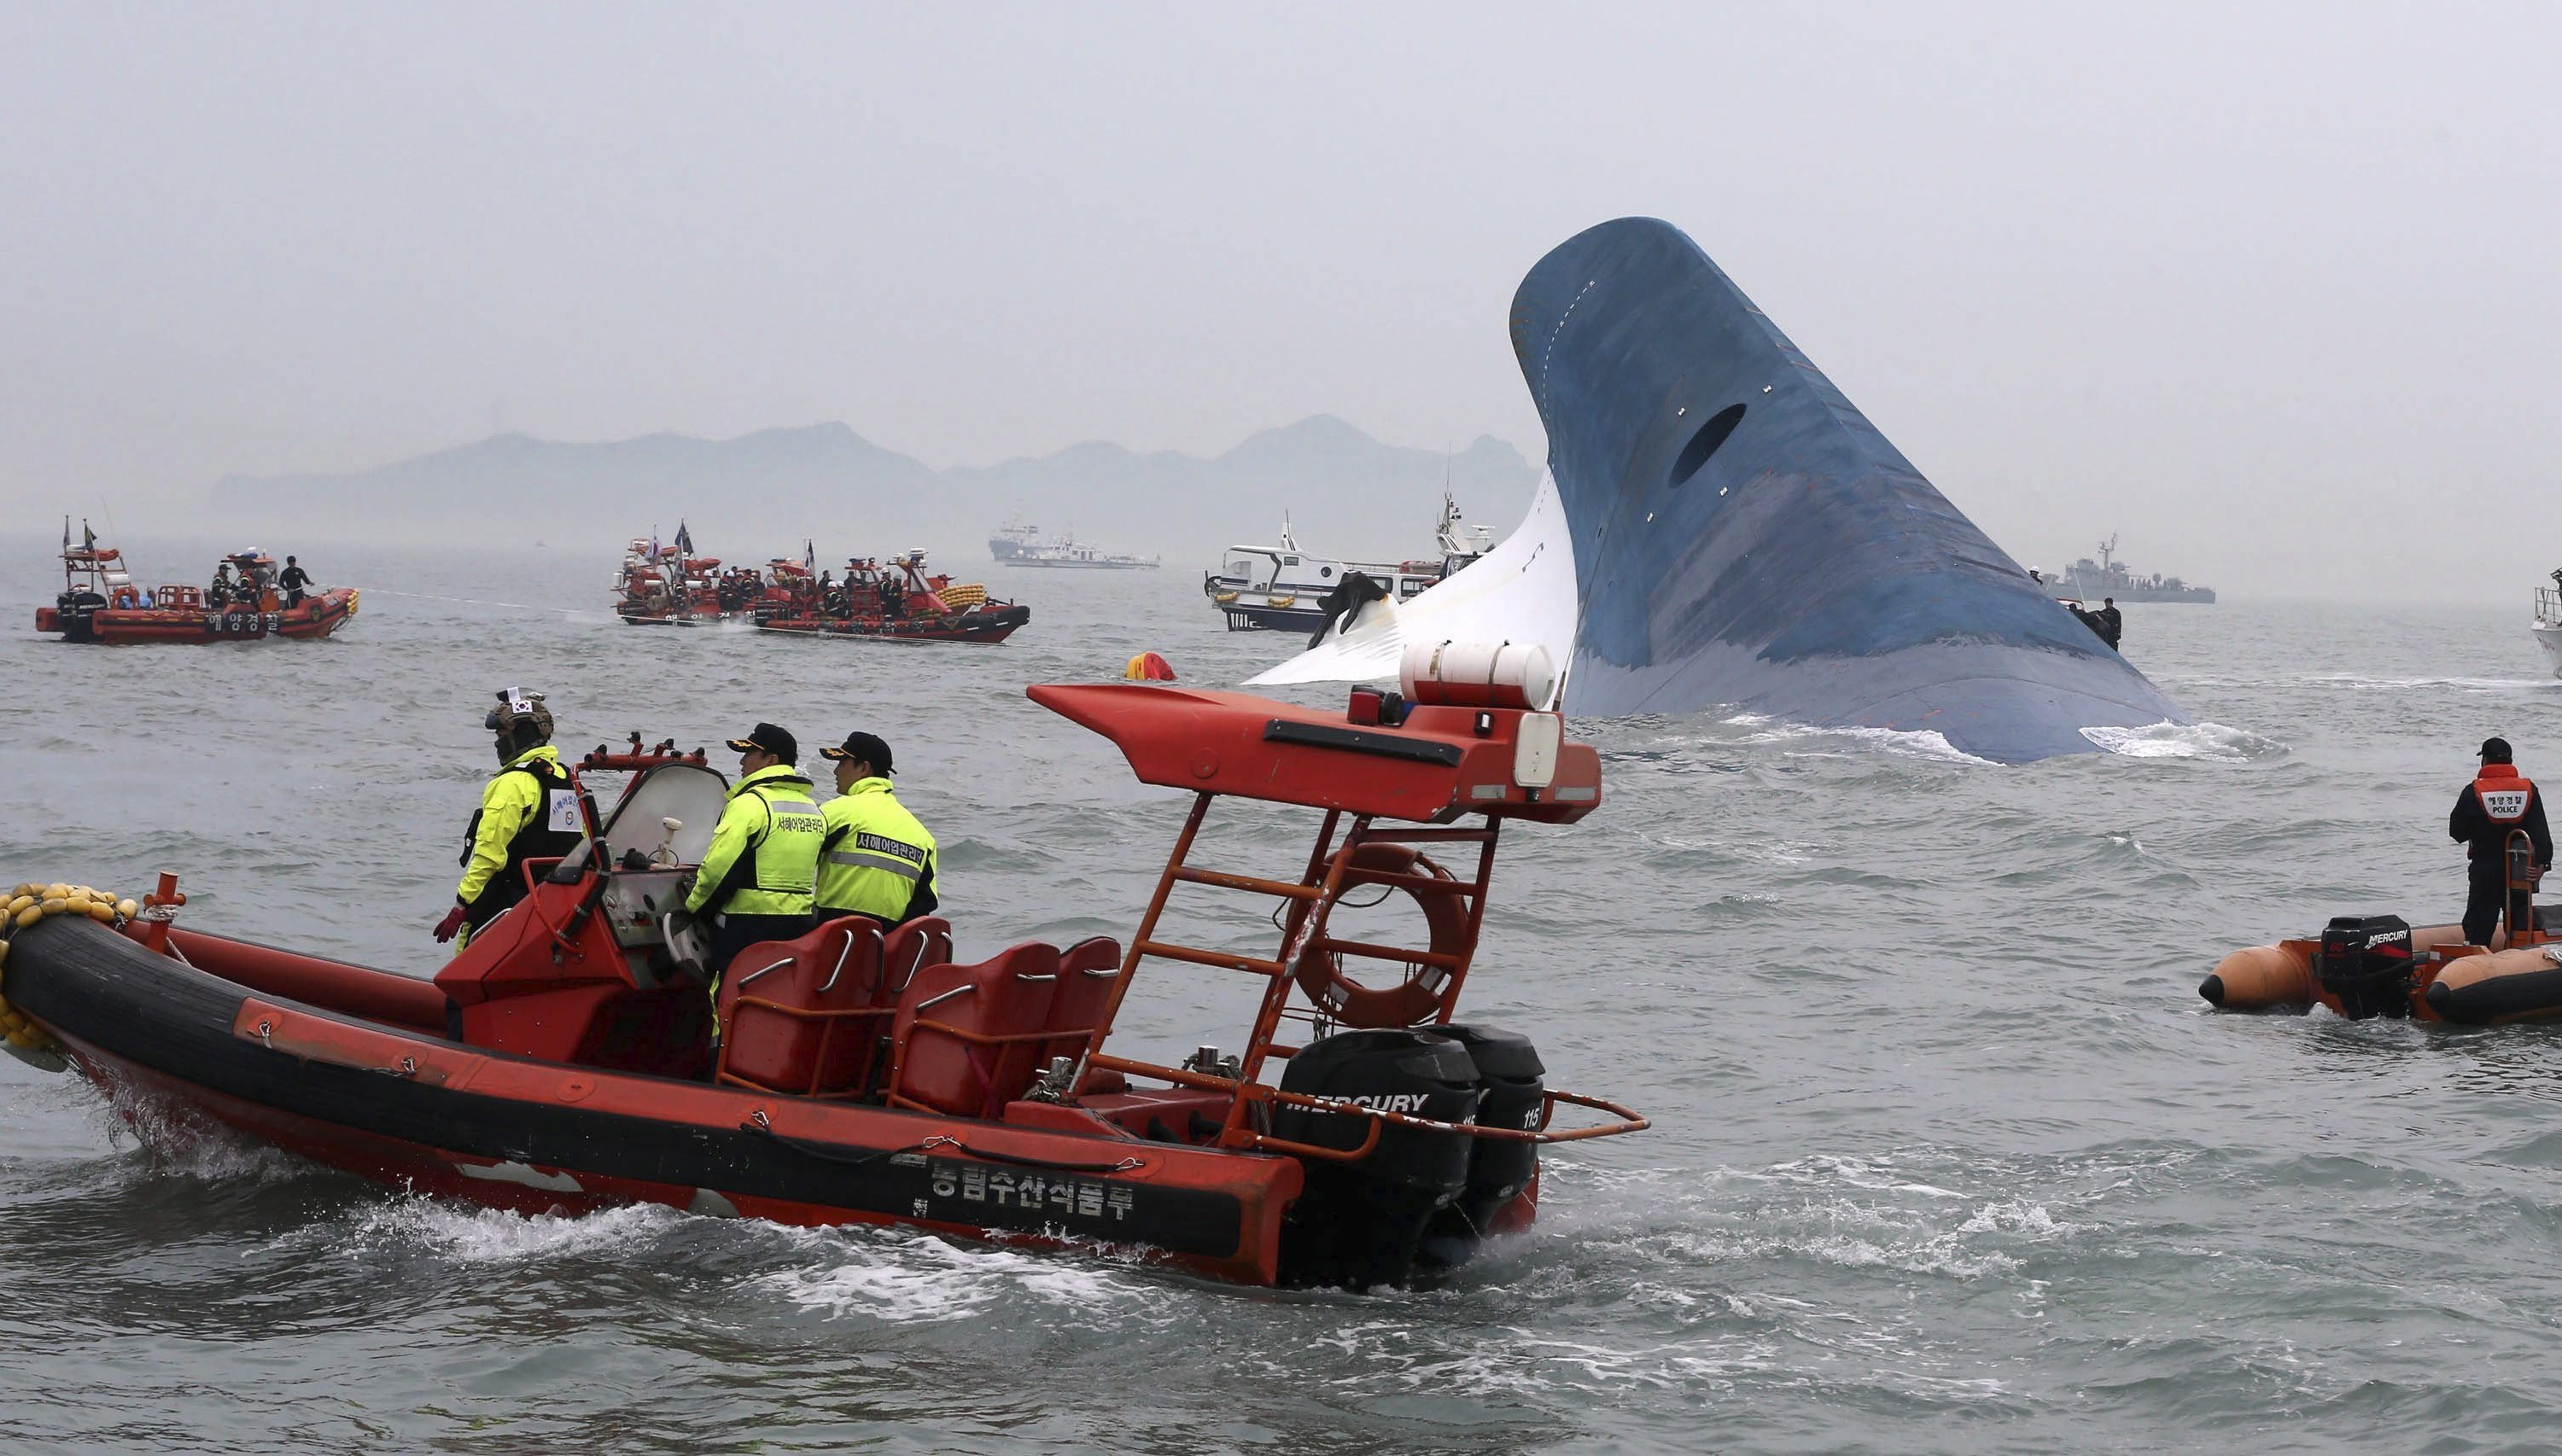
column 1523, row 590
column 2548, row 635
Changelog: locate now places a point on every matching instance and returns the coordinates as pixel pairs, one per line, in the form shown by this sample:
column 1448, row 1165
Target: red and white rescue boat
column 565, row 1060
column 100, row 603
column 898, row 602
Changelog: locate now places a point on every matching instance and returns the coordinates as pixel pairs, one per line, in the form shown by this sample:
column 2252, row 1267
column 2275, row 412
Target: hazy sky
column 2271, row 289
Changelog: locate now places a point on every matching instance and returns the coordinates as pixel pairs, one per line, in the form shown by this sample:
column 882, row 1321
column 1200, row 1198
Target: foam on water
column 898, row 1277
column 1803, row 738
column 2212, row 741
column 480, row 1236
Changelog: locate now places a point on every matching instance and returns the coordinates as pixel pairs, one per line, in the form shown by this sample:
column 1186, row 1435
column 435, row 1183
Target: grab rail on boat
column 1628, row 1120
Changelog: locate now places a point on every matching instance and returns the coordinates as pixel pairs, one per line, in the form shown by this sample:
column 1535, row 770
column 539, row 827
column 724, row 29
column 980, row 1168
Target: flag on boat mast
column 684, row 539
column 88, row 538
column 809, row 556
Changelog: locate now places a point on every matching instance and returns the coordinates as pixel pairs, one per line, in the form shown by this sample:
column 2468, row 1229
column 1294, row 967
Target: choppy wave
column 2365, row 681
column 907, row 1278
column 2211, row 741
column 1761, row 730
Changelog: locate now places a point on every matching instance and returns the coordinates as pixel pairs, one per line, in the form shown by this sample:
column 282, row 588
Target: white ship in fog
column 2548, row 622
column 1019, row 543
column 1281, row 588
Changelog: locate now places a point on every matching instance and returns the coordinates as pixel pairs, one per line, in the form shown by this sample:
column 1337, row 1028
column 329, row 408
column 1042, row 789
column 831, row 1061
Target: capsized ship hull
column 1731, row 533
column 1743, row 536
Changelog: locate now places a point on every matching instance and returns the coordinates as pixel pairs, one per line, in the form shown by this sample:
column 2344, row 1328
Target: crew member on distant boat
column 528, row 811
column 2498, row 802
column 2113, row 624
column 292, row 579
column 218, row 592
column 757, row 879
column 877, row 859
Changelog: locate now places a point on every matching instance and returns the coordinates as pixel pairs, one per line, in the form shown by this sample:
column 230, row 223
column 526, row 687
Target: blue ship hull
column 1744, row 538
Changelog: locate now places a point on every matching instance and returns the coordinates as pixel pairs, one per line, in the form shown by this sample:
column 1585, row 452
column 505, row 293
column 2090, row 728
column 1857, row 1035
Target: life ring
column 1321, row 973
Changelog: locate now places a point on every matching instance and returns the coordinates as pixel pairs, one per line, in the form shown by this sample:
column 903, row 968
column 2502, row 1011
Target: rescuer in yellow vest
column 758, row 876
column 877, row 859
column 528, row 811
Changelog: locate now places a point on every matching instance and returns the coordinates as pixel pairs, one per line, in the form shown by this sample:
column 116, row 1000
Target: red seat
column 921, row 941
column 1087, row 972
column 964, row 1036
column 803, row 1017
column 905, row 950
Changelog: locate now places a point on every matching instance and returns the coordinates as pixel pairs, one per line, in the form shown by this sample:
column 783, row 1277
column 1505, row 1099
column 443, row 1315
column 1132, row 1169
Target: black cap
column 773, row 739
column 866, row 748
column 2494, row 751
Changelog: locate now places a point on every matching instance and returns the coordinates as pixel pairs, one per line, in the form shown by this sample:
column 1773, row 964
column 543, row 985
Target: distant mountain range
column 759, row 494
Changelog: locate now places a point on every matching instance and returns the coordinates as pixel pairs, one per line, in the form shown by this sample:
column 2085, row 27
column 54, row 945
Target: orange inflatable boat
column 2364, row 966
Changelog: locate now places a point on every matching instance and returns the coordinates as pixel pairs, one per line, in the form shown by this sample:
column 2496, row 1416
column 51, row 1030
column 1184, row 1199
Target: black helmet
column 520, row 720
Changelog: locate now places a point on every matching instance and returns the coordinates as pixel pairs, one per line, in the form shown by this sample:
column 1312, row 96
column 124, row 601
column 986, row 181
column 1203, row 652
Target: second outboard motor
column 1499, row 1169
column 79, row 614
column 1359, row 1223
column 2365, row 961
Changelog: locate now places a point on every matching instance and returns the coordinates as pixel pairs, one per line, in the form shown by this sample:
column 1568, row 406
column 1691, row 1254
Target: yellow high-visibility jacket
column 763, row 856
column 877, row 859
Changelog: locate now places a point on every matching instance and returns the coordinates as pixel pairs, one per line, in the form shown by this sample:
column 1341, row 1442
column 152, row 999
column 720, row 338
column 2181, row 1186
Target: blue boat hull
column 1744, row 538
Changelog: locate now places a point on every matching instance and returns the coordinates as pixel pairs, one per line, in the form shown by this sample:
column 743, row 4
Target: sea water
column 1947, row 1153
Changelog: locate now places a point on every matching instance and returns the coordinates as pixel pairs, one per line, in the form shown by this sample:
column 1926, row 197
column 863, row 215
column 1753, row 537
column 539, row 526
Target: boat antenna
column 1287, row 541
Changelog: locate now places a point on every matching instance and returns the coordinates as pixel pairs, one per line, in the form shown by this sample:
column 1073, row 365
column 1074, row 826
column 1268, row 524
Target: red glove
column 453, row 922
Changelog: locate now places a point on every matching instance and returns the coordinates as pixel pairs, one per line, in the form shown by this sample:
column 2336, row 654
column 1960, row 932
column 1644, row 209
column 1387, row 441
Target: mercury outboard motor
column 79, row 614
column 1499, row 1169
column 1360, row 1224
column 2365, row 961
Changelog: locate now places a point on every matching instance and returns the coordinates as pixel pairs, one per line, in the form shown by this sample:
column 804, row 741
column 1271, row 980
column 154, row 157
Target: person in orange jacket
column 2498, row 802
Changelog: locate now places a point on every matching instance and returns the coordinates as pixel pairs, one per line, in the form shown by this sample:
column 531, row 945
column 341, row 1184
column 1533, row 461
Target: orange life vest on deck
column 2504, row 793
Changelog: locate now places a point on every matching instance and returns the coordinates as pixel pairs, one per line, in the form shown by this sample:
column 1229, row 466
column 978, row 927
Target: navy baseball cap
column 862, row 748
column 776, row 741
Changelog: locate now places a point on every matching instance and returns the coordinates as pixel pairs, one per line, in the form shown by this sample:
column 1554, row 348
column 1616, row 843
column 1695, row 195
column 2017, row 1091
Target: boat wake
column 901, row 1278
column 487, row 1236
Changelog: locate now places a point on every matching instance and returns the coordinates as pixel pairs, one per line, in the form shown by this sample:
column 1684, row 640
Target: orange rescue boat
column 2363, row 965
